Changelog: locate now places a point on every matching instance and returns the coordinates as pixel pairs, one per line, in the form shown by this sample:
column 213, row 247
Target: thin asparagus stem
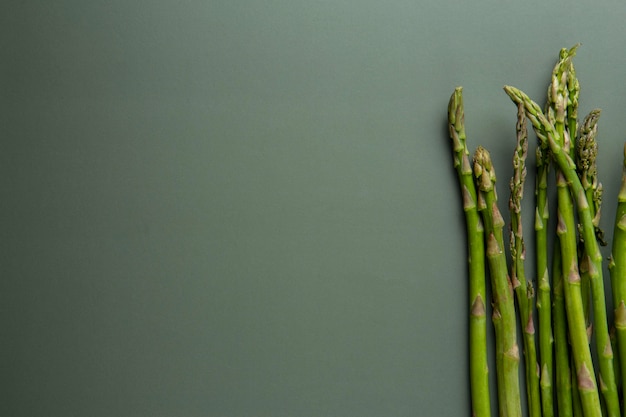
column 577, row 406
column 563, row 375
column 523, row 291
column 617, row 362
column 479, row 371
column 617, row 268
column 544, row 302
column 573, row 93
column 585, row 154
column 507, row 349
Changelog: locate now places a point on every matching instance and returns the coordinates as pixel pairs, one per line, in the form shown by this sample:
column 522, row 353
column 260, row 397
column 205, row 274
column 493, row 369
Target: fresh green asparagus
column 479, row 373
column 617, row 268
column 507, row 349
column 523, row 290
column 575, row 364
column 546, row 131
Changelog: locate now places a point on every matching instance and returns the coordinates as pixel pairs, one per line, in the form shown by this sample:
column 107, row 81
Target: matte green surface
column 247, row 208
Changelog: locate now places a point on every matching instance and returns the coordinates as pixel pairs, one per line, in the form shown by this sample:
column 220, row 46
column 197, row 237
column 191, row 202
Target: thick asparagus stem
column 571, row 92
column 563, row 100
column 507, row 348
column 523, row 291
column 556, row 113
column 617, row 268
column 545, row 131
column 479, row 372
column 566, row 231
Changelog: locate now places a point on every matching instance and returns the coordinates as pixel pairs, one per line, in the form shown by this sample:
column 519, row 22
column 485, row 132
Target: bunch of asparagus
column 574, row 359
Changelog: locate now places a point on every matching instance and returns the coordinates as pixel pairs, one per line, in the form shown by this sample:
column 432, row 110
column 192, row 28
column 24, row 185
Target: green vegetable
column 546, row 131
column 507, row 349
column 523, row 290
column 563, row 373
column 544, row 298
column 479, row 371
column 617, row 268
column 570, row 365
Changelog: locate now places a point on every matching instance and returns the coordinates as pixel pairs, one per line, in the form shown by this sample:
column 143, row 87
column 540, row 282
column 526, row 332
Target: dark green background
column 247, row 208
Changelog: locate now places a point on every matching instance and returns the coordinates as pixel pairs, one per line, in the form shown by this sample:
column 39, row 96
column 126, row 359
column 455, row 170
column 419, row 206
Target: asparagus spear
column 559, row 108
column 507, row 350
column 566, row 231
column 573, row 92
column 569, row 136
column 563, row 377
column 617, row 268
column 479, row 373
column 586, row 154
column 544, row 302
column 523, row 289
column 558, row 93
column 563, row 101
column 555, row 109
column 546, row 131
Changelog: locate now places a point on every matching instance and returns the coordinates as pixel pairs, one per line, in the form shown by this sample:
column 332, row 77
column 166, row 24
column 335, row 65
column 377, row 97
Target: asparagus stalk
column 507, row 350
column 585, row 155
column 479, row 372
column 587, row 387
column 544, row 302
column 617, row 268
column 573, row 92
column 617, row 363
column 569, row 137
column 566, row 231
column 565, row 91
column 558, row 92
column 559, row 109
column 555, row 110
column 577, row 405
column 523, row 289
column 563, row 377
